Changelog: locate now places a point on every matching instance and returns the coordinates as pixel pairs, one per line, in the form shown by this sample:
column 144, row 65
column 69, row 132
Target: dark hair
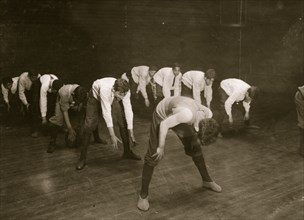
column 32, row 73
column 210, row 74
column 208, row 131
column 80, row 94
column 129, row 74
column 253, row 91
column 153, row 68
column 7, row 80
column 121, row 85
column 57, row 84
column 175, row 65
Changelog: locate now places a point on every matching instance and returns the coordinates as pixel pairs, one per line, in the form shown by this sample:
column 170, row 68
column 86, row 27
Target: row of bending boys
column 191, row 121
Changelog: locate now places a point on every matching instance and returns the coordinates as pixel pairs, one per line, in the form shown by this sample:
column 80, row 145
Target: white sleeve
column 246, row 106
column 106, row 106
column 142, row 83
column 177, row 85
column 5, row 94
column 43, row 98
column 208, row 94
column 166, row 87
column 128, row 110
column 229, row 102
column 21, row 92
column 196, row 91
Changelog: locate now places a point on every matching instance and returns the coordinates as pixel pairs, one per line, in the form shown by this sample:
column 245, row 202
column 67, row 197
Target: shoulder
column 183, row 114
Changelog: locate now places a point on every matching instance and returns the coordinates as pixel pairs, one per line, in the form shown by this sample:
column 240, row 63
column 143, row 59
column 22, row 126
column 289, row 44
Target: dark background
column 259, row 41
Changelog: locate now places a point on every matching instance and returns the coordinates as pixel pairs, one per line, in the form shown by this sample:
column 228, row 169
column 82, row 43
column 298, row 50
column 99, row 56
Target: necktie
column 173, row 81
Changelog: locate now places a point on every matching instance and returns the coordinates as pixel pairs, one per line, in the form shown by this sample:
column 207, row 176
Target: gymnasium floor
column 259, row 170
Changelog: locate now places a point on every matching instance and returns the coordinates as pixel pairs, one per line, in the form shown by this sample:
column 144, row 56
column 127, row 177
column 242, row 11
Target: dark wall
column 84, row 40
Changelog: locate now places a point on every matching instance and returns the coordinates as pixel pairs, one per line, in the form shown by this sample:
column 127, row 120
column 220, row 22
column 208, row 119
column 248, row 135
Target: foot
column 131, row 155
column 101, row 141
column 51, row 148
column 213, row 186
column 80, row 165
column 34, row 134
column 143, row 204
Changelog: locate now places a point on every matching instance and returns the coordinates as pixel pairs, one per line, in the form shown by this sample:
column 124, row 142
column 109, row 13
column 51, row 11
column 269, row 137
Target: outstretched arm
column 180, row 115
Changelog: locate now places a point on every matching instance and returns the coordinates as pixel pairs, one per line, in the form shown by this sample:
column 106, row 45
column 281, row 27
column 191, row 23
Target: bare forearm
column 67, row 119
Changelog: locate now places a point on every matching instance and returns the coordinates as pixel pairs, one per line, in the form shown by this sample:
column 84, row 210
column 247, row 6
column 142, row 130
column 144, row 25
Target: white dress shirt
column 195, row 80
column 165, row 77
column 102, row 91
column 13, row 89
column 46, row 86
column 24, row 84
column 140, row 75
column 236, row 89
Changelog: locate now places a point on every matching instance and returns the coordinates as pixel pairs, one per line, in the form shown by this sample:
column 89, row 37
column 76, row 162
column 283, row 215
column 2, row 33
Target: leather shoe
column 131, row 155
column 80, row 165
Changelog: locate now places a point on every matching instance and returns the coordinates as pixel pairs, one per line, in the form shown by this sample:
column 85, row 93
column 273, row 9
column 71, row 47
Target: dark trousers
column 14, row 113
column 93, row 114
column 222, row 112
column 186, row 133
column 159, row 94
column 35, row 105
column 187, row 92
column 192, row 147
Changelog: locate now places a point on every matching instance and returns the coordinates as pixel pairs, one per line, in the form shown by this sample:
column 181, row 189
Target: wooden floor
column 260, row 172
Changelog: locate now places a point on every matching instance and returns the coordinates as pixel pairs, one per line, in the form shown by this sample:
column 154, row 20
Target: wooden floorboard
column 260, row 172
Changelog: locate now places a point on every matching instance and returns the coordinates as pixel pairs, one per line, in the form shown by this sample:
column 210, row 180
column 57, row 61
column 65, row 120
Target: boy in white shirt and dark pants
column 167, row 79
column 139, row 79
column 196, row 84
column 111, row 97
column 9, row 88
column 233, row 91
column 26, row 95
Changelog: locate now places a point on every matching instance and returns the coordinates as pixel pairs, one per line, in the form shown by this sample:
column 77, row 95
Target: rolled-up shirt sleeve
column 128, row 110
column 5, row 94
column 43, row 98
column 106, row 102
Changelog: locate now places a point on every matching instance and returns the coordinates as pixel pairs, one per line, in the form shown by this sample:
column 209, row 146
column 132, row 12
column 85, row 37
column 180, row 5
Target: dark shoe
column 100, row 141
column 131, row 155
column 80, row 165
column 51, row 148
